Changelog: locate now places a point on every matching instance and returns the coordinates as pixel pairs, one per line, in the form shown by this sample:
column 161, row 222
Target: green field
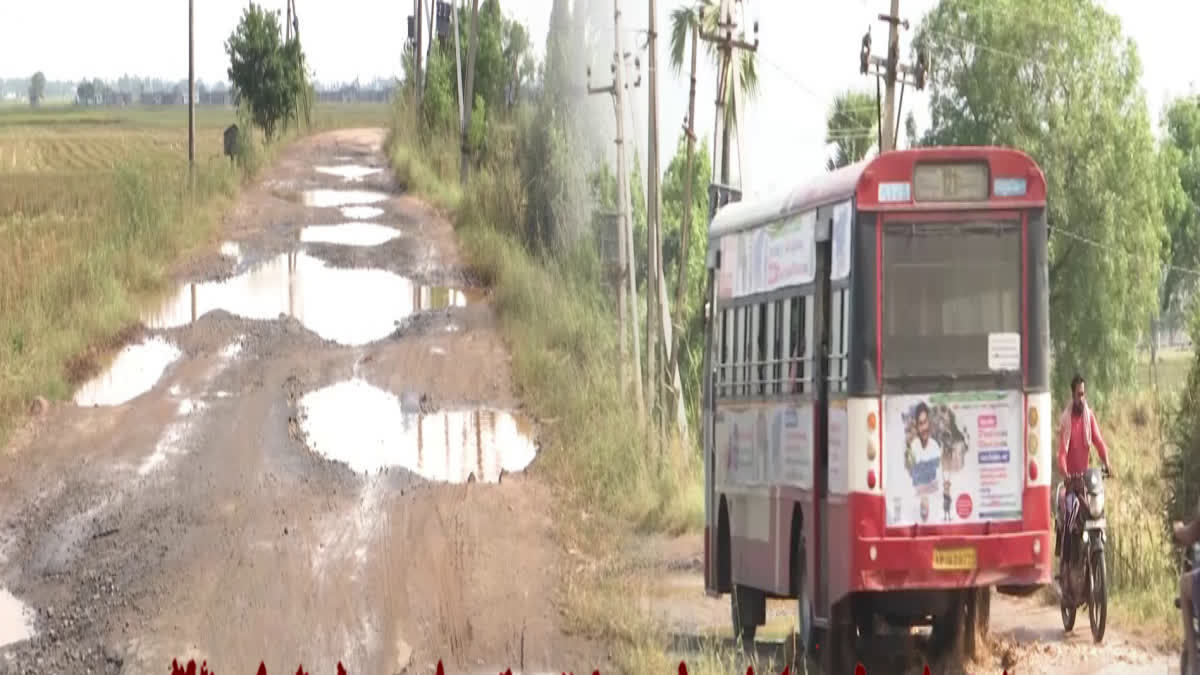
column 95, row 204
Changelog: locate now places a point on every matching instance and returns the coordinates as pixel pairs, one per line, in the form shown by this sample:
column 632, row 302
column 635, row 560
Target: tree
column 37, row 89
column 267, row 74
column 1064, row 89
column 85, row 93
column 851, row 126
column 740, row 83
column 1180, row 189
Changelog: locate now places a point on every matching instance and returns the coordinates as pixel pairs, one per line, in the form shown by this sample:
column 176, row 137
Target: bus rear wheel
column 838, row 651
column 742, row 604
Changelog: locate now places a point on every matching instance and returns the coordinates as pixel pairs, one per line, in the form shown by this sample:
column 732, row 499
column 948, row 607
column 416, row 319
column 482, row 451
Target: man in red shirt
column 1078, row 432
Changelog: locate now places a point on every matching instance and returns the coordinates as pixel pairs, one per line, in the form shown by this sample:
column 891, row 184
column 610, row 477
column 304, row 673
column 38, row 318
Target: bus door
column 820, row 371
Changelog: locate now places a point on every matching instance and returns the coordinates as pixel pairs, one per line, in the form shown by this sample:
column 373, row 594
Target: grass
column 95, row 204
column 562, row 327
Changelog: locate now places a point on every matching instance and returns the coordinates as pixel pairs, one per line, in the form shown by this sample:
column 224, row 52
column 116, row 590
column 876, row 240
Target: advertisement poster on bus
column 765, row 444
column 766, row 258
column 953, row 458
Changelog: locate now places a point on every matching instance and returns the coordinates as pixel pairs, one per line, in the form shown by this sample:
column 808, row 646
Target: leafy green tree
column 267, row 73
column 1065, row 89
column 851, row 127
column 740, row 83
column 85, row 93
column 1180, row 189
column 37, row 89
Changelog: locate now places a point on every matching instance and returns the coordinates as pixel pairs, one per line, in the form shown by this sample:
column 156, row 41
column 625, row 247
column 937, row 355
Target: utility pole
column 627, row 209
column 417, row 56
column 288, row 28
column 891, row 71
column 458, row 70
column 653, row 239
column 469, row 100
column 192, row 85
column 726, row 44
column 628, row 303
column 685, row 227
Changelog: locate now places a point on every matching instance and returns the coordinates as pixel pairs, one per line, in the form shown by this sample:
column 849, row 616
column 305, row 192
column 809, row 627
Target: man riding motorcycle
column 1078, row 432
column 1189, row 591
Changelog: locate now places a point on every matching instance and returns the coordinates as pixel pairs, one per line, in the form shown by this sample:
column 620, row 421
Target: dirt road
column 1026, row 635
column 310, row 452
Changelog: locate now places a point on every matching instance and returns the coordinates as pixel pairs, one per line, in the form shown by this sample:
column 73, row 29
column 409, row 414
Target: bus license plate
column 954, row 559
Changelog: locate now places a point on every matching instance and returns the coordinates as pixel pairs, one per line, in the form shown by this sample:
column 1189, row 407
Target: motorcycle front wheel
column 1068, row 615
column 1098, row 596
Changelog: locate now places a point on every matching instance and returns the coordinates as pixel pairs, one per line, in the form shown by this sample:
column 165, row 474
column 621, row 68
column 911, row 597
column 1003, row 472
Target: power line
column 1109, row 249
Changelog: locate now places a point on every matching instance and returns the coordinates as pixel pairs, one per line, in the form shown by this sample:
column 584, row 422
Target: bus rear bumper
column 1021, row 559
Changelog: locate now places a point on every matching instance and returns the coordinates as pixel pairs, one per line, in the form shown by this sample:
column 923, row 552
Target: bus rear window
column 946, row 288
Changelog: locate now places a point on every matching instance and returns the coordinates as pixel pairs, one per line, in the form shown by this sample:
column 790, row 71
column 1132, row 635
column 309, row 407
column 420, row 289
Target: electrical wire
column 1092, row 242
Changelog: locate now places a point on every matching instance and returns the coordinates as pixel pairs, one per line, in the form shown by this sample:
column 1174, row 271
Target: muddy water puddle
column 348, row 306
column 370, row 429
column 361, row 212
column 349, row 234
column 348, row 172
column 324, row 199
column 16, row 619
column 133, row 372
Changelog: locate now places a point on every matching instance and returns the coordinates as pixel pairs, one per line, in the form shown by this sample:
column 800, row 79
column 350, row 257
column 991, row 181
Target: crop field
column 95, row 203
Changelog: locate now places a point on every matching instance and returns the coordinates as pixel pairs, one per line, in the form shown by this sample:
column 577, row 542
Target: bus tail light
column 871, row 421
column 871, row 478
column 1037, row 439
column 1033, row 469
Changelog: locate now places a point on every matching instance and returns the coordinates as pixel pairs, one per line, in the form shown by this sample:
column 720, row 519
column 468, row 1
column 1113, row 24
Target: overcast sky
column 808, row 52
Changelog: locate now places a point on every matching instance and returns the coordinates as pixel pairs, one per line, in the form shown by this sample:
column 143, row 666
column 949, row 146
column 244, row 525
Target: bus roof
column 862, row 178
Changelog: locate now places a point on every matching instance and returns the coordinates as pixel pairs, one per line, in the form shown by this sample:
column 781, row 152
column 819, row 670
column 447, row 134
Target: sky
column 808, row 52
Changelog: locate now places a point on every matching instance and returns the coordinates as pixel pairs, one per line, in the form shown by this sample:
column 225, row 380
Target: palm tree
column 851, row 126
column 739, row 82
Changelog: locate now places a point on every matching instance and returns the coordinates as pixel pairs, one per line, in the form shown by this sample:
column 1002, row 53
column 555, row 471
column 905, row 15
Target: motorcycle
column 1082, row 571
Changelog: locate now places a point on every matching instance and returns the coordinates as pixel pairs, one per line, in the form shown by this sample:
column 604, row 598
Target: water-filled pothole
column 348, row 306
column 331, row 198
column 348, row 172
column 349, row 234
column 133, row 372
column 369, row 429
column 361, row 212
column 16, row 619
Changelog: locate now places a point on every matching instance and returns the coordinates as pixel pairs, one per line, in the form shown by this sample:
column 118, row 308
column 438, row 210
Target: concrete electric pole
column 627, row 295
column 192, row 84
column 891, row 71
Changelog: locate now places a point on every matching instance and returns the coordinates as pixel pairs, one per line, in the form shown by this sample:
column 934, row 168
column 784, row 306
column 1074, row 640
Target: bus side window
column 748, row 323
column 780, row 352
column 735, row 352
column 766, row 317
column 722, row 351
column 798, row 338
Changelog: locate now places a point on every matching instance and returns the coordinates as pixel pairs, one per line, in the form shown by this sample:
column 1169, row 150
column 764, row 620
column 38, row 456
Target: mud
column 194, row 520
column 1025, row 636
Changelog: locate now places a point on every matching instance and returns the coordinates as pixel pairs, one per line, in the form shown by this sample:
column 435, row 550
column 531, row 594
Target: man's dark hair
column 921, row 408
column 1075, row 382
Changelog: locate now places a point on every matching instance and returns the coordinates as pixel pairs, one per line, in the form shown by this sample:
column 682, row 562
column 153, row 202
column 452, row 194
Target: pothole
column 369, row 429
column 349, row 234
column 331, row 198
column 348, row 172
column 361, row 212
column 16, row 619
column 348, row 306
column 134, row 371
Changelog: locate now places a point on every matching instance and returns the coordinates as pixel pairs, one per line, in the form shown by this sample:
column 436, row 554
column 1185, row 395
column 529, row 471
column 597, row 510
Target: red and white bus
column 877, row 415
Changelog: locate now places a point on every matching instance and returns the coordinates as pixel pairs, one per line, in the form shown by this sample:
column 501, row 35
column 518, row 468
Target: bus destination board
column 950, row 182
